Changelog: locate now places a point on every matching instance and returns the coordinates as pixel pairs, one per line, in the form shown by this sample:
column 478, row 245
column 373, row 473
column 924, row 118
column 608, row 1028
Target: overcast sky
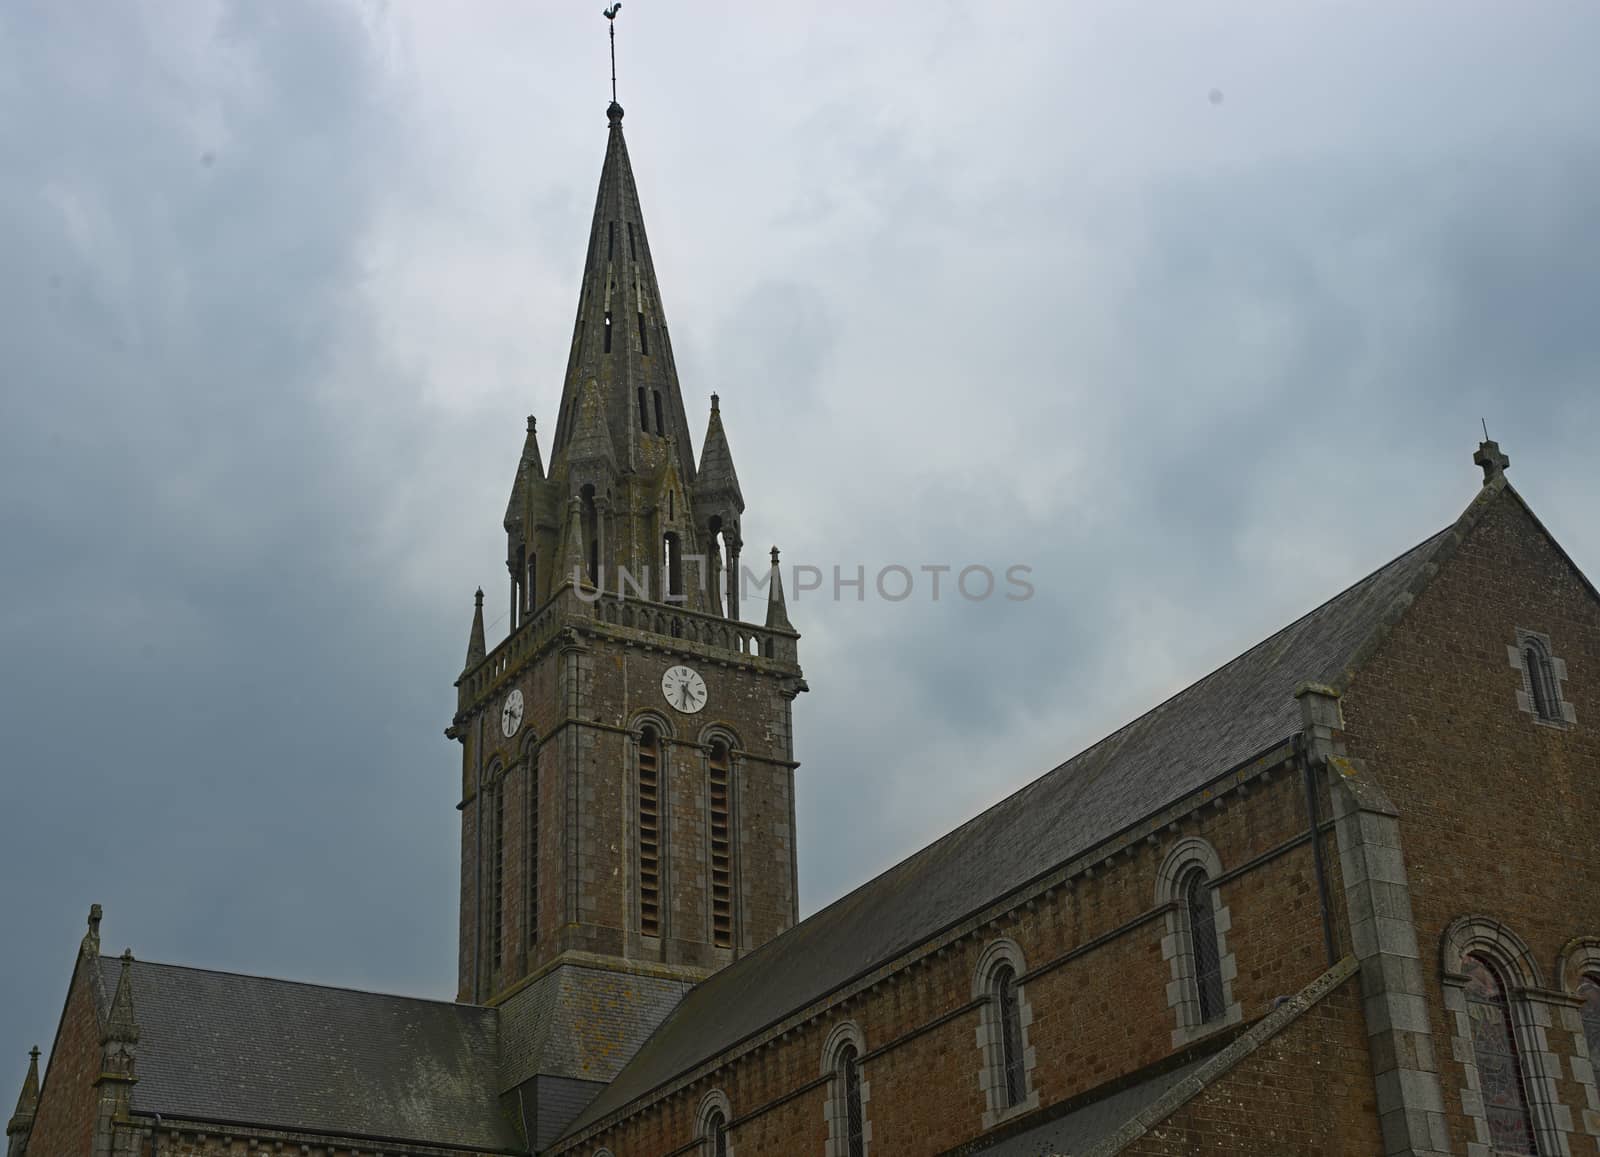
column 1192, row 308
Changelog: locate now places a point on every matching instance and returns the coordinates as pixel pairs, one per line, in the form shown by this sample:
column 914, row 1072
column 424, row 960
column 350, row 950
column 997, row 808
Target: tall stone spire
column 620, row 338
column 475, row 645
column 21, row 1123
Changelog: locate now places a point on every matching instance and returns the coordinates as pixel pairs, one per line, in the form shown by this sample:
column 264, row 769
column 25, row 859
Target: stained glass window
column 1589, row 993
column 855, row 1123
column 1203, row 934
column 1009, row 1013
column 1494, row 1048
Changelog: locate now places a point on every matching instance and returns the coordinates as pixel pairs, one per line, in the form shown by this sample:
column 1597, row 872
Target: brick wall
column 1097, row 1015
column 1306, row 1091
column 1498, row 814
column 64, row 1126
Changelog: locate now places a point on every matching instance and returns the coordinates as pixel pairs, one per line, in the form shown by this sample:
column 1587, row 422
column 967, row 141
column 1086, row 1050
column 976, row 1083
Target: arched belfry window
column 849, row 1132
column 649, row 789
column 1501, row 1080
column 1542, row 673
column 1195, row 945
column 711, row 1127
column 1007, row 1073
column 719, row 811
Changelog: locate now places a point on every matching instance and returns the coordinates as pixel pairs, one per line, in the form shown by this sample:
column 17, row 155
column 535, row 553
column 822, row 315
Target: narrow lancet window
column 649, row 832
column 632, row 255
column 721, row 848
column 1541, row 682
column 672, row 557
column 661, row 426
column 644, row 341
column 608, row 332
column 644, row 412
column 1203, row 936
column 854, row 1119
column 1009, row 1015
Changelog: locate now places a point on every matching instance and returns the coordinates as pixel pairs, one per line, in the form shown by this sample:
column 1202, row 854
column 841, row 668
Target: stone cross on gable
column 1489, row 457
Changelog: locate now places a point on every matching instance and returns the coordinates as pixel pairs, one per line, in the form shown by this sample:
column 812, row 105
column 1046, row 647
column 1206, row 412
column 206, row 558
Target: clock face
column 684, row 689
column 511, row 714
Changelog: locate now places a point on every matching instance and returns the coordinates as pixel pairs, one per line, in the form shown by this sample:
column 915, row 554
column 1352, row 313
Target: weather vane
column 611, row 19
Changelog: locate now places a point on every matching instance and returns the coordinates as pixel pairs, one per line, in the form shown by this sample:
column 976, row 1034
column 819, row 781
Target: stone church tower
column 627, row 792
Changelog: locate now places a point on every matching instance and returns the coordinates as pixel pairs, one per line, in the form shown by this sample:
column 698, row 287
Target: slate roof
column 1095, row 1121
column 247, row 1050
column 1239, row 711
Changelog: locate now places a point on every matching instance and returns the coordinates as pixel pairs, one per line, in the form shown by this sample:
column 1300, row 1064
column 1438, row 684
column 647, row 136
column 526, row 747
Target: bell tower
column 627, row 787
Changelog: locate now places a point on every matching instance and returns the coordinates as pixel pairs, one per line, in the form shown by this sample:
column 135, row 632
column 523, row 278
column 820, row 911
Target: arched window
column 1589, row 993
column 1203, row 936
column 1542, row 674
column 1006, row 1076
column 1196, row 942
column 849, row 1134
column 1541, row 680
column 717, row 767
column 849, row 1079
column 716, row 1137
column 1499, row 1061
column 711, row 1127
column 650, row 831
column 1009, row 1014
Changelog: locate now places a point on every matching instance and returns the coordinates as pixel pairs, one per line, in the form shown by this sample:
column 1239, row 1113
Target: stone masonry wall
column 1307, row 1091
column 64, row 1125
column 584, row 704
column 1498, row 813
column 1096, row 984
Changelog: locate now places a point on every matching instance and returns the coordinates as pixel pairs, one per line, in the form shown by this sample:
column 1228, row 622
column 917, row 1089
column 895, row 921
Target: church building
column 1341, row 896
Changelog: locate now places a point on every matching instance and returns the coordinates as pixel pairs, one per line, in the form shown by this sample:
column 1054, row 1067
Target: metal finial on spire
column 611, row 22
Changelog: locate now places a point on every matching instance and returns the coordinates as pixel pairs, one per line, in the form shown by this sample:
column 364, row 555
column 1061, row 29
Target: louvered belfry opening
column 721, row 848
column 497, row 910
column 650, row 832
column 533, row 848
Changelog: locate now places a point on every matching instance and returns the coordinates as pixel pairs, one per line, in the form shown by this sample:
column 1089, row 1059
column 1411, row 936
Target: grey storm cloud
column 996, row 285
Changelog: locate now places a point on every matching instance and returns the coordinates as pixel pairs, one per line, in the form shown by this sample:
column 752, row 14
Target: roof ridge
column 1108, row 737
column 307, row 984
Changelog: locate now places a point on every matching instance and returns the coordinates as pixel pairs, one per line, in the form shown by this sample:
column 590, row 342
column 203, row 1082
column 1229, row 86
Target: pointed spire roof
column 591, row 440
column 475, row 647
column 529, row 465
column 28, row 1101
column 121, row 1025
column 572, row 559
column 777, row 609
column 620, row 338
column 718, row 478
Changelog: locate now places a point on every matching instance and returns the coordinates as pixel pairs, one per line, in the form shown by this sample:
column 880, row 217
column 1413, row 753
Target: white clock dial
column 684, row 689
column 511, row 714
